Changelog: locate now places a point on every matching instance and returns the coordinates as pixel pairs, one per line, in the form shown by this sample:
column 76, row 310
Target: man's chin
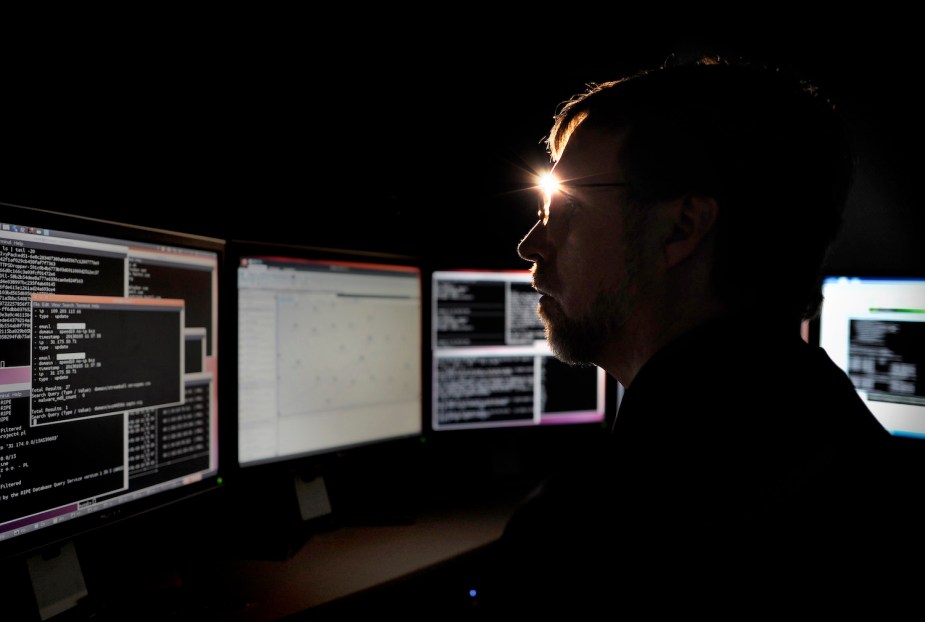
column 564, row 349
column 568, row 339
column 562, row 341
column 549, row 309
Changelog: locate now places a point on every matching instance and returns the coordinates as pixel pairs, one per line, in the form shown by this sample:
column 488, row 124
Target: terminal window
column 99, row 404
column 874, row 329
column 492, row 366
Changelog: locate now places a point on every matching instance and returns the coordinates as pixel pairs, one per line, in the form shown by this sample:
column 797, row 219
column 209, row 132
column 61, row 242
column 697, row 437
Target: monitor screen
column 874, row 329
column 329, row 351
column 491, row 364
column 108, row 372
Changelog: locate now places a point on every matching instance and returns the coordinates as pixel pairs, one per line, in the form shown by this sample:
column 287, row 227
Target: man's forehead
column 590, row 156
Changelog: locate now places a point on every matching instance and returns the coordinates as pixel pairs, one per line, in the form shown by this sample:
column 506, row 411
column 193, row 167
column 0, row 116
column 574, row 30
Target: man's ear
column 690, row 221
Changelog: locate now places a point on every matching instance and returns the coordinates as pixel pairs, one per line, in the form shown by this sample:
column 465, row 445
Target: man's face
column 588, row 258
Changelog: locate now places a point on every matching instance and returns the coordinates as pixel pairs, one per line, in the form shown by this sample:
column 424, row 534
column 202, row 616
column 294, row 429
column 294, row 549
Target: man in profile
column 680, row 244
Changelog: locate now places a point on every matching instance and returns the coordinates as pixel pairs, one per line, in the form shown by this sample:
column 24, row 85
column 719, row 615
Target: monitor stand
column 367, row 499
column 57, row 580
column 274, row 514
column 312, row 497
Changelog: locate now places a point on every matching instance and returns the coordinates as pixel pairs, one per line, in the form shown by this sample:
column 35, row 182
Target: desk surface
column 349, row 560
column 330, row 573
column 193, row 561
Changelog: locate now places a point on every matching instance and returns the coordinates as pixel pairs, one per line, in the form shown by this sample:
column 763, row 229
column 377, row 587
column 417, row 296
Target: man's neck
column 649, row 331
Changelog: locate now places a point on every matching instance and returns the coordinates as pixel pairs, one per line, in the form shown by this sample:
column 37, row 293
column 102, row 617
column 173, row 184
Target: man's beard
column 578, row 341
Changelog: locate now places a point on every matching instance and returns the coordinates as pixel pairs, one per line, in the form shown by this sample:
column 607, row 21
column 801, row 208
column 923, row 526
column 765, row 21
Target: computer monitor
column 491, row 364
column 109, row 350
column 874, row 329
column 329, row 395
column 329, row 350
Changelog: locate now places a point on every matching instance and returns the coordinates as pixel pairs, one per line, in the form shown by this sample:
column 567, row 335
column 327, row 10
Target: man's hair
column 767, row 146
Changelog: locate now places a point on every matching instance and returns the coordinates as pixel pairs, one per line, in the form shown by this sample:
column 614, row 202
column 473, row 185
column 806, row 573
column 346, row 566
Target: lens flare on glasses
column 549, row 185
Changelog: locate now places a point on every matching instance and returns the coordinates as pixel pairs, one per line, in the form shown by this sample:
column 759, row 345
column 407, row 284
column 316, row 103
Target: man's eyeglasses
column 549, row 185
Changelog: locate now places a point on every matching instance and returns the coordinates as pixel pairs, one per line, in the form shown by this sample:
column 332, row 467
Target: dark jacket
column 744, row 475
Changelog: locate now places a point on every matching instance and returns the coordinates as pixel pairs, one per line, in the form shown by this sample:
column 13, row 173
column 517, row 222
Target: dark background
column 401, row 132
